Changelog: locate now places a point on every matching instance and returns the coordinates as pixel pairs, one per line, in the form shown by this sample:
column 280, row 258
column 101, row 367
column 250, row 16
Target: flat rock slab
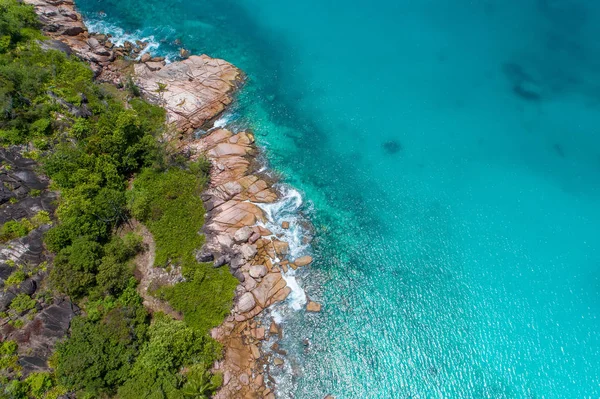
column 192, row 91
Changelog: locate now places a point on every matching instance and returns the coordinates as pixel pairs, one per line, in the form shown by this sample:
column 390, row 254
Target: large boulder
column 267, row 291
column 312, row 306
column 246, row 303
column 242, row 235
column 303, row 261
column 258, row 271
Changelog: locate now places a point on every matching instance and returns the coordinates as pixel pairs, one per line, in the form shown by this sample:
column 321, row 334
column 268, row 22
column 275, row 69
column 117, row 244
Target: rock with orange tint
column 303, row 261
column 313, row 306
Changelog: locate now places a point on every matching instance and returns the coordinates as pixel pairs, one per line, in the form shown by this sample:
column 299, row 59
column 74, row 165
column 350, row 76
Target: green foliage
column 87, row 265
column 75, row 267
column 99, row 353
column 201, row 384
column 41, row 218
column 17, row 23
column 16, row 278
column 205, row 298
column 133, row 89
column 13, row 229
column 115, row 270
column 38, row 384
column 170, row 205
column 161, row 87
column 30, row 81
column 16, row 229
column 171, row 346
column 22, row 303
column 8, row 358
column 17, row 323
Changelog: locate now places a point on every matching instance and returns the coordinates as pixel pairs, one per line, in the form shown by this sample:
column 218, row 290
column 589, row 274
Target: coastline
column 194, row 92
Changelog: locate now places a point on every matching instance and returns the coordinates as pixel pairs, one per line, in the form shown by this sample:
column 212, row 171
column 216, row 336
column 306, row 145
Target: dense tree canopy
column 95, row 142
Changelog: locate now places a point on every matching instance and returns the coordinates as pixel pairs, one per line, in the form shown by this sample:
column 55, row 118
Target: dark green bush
column 99, row 353
column 18, row 22
column 171, row 346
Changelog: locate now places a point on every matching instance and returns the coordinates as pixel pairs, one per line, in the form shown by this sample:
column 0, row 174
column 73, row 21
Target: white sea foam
column 276, row 316
column 223, row 120
column 288, row 209
column 297, row 298
column 120, row 36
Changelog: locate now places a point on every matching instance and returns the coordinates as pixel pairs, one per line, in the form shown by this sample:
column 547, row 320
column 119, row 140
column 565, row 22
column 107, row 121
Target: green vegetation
column 36, row 385
column 171, row 346
column 15, row 278
column 98, row 356
column 205, row 298
column 16, row 229
column 17, row 24
column 169, row 204
column 22, row 303
column 8, row 360
column 95, row 142
column 87, row 267
column 13, row 229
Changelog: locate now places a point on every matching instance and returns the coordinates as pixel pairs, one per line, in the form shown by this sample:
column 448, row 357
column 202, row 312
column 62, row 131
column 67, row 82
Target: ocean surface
column 448, row 156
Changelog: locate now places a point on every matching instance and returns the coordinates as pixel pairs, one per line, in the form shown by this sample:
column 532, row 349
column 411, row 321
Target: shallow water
column 448, row 155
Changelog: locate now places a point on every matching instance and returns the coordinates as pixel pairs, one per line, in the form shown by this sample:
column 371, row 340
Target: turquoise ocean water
column 448, row 155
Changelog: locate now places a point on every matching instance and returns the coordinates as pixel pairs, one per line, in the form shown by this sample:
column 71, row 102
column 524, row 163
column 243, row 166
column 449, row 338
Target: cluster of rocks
column 35, row 330
column 256, row 256
column 194, row 92
column 61, row 22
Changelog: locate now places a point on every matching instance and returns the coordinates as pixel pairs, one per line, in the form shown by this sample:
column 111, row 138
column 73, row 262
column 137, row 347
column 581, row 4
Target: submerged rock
column 312, row 306
column 523, row 84
column 303, row 261
column 392, row 146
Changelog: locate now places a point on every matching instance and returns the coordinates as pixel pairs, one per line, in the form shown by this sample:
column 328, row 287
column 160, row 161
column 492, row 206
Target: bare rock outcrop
column 37, row 329
column 234, row 237
column 192, row 91
column 37, row 338
column 63, row 23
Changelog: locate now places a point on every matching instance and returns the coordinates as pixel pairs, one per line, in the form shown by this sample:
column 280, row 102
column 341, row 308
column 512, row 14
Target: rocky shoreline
column 194, row 92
